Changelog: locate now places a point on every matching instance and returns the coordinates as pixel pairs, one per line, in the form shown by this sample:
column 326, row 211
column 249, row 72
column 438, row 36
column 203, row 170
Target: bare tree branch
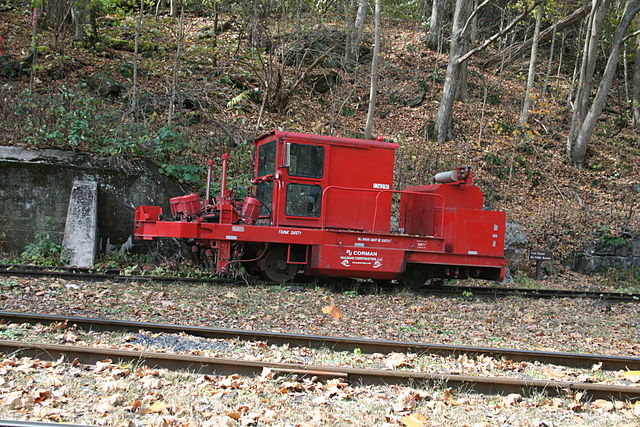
column 473, row 14
column 631, row 35
column 515, row 51
column 491, row 39
column 311, row 67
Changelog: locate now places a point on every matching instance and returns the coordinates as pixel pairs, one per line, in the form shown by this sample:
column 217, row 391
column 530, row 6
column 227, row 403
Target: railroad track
column 87, row 274
column 365, row 345
column 15, row 423
column 226, row 366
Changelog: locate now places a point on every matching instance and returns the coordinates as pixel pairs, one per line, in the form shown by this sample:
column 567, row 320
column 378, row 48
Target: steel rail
column 97, row 276
column 16, row 423
column 225, row 366
column 577, row 360
column 532, row 293
column 73, row 273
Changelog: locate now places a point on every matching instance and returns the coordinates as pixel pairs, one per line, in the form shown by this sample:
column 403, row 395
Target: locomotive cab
column 313, row 181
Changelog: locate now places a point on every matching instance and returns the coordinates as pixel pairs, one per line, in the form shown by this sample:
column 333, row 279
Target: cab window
column 303, row 200
column 266, row 166
column 267, row 158
column 306, row 160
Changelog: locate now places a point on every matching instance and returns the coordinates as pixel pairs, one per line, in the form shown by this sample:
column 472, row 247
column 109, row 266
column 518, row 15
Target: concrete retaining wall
column 36, row 185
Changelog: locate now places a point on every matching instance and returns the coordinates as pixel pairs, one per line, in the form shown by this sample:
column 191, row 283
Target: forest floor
column 114, row 394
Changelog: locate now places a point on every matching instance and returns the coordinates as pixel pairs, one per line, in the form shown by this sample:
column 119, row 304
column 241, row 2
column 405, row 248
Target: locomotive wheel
column 275, row 266
column 418, row 277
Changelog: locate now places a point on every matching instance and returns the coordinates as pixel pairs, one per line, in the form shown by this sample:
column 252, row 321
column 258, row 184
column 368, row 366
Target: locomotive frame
column 323, row 206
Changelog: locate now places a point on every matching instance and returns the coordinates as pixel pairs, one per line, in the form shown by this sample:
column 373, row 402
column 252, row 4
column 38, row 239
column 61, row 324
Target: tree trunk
column 80, row 18
column 561, row 55
column 34, row 46
column 374, row 73
column 576, row 63
column 457, row 57
column 526, row 105
column 585, row 83
column 435, row 24
column 176, row 67
column 134, row 84
column 588, row 125
column 358, row 30
column 445, row 110
column 635, row 97
column 56, row 13
column 254, row 35
column 474, row 25
column 547, row 75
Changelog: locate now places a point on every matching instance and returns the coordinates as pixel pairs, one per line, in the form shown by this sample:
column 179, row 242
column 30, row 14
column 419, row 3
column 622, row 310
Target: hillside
column 219, row 108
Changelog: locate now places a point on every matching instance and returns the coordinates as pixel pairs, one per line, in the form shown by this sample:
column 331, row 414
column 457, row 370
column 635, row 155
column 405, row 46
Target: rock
column 105, row 85
column 417, row 100
column 129, row 45
column 606, row 252
column 322, row 83
column 11, row 67
column 516, row 241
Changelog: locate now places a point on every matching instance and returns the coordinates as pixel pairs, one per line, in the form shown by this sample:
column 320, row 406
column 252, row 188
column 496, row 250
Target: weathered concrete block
column 516, row 242
column 81, row 229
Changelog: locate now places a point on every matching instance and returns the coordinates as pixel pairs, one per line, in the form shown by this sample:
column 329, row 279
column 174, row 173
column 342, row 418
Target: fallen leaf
column 152, row 382
column 632, row 376
column 107, row 404
column 414, row 420
column 267, row 374
column 605, row 405
column 69, row 336
column 320, row 400
column 397, row 360
column 512, row 399
column 156, row 408
column 333, row 311
column 163, row 421
column 111, row 386
column 41, row 395
column 235, row 415
column 554, row 374
column 44, row 412
column 133, row 406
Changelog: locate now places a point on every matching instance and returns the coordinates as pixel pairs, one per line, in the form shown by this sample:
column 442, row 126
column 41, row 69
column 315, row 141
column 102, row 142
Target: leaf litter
column 124, row 394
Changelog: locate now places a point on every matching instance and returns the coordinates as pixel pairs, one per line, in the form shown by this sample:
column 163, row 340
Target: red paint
column 188, row 205
column 331, row 207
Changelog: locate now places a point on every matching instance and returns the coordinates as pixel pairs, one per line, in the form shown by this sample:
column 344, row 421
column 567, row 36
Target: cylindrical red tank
column 250, row 209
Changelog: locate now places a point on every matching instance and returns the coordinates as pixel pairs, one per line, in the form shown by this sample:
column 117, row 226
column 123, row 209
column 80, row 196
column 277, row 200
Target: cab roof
column 327, row 140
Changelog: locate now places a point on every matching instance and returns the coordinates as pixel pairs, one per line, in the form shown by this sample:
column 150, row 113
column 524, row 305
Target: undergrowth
column 44, row 250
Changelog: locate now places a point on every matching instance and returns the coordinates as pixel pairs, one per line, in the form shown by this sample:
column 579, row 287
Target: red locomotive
column 324, row 206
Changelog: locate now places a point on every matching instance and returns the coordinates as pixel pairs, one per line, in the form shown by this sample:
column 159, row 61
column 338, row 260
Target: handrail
column 417, row 193
column 378, row 193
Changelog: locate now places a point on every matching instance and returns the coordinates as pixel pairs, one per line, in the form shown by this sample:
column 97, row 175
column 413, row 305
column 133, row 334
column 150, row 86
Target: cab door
column 302, row 184
column 265, row 166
